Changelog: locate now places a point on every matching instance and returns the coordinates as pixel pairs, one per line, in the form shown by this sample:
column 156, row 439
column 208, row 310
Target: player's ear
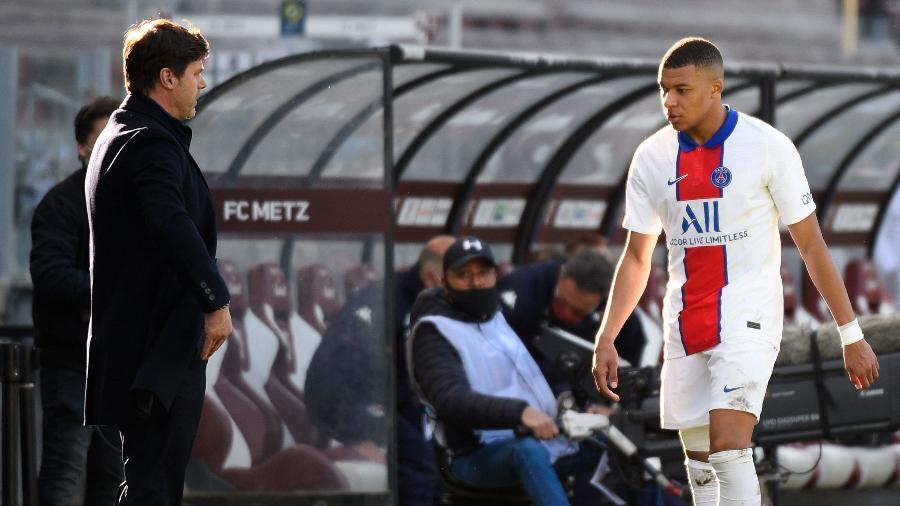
column 718, row 84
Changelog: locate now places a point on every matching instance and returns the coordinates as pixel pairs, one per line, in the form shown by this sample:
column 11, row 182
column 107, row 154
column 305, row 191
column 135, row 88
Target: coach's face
column 187, row 90
column 689, row 95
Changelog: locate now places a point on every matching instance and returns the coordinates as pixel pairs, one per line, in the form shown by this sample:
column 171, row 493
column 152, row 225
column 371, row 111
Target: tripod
column 18, row 362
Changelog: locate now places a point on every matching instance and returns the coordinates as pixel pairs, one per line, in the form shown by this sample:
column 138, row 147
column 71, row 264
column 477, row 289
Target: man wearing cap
column 480, row 382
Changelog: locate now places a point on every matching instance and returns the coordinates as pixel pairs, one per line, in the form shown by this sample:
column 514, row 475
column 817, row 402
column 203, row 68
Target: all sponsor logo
column 710, row 219
column 702, row 226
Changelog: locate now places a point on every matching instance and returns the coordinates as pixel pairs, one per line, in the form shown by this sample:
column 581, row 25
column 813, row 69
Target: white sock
column 738, row 484
column 704, row 485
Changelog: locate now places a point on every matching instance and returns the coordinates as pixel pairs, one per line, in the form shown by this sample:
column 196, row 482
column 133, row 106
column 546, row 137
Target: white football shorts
column 732, row 375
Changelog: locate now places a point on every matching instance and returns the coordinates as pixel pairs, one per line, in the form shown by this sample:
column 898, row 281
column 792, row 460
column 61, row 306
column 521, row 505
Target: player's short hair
column 591, row 271
column 100, row 107
column 153, row 45
column 692, row 51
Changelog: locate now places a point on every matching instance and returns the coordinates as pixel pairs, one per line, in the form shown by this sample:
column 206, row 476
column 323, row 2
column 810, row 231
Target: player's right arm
column 642, row 220
column 628, row 284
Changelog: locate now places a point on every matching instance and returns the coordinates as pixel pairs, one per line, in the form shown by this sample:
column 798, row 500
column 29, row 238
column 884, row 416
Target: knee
column 725, row 442
column 530, row 448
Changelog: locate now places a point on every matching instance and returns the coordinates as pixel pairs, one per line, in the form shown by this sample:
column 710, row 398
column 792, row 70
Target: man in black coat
column 71, row 454
column 159, row 307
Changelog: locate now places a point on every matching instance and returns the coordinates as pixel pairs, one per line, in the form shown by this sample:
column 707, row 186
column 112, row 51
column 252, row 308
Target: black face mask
column 480, row 304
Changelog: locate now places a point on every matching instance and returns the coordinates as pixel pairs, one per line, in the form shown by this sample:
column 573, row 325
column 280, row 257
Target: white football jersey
column 719, row 205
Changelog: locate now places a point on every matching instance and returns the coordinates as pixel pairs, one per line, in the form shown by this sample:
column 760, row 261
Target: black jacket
column 153, row 233
column 438, row 370
column 59, row 271
column 346, row 381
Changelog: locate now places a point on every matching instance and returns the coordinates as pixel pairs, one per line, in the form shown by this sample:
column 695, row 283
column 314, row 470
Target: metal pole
column 849, row 27
column 29, row 444
column 8, row 93
column 456, row 25
column 11, row 481
column 28, row 364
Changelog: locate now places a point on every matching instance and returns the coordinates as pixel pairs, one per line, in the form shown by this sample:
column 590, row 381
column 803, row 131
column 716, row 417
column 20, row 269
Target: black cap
column 465, row 249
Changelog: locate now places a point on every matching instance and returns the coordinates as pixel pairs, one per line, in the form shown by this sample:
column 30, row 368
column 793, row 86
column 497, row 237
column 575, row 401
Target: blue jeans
column 519, row 461
column 72, row 455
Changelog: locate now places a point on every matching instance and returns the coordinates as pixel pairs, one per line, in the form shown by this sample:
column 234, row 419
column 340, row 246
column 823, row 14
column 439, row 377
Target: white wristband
column 850, row 333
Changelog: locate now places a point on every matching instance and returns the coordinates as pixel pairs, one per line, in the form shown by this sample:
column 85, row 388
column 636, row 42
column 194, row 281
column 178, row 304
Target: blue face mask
column 480, row 304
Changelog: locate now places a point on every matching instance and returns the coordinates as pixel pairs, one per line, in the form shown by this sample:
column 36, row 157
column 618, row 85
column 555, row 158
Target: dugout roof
column 524, row 148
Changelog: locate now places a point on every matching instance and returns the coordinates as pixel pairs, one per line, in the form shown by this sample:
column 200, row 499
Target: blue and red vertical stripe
column 705, row 267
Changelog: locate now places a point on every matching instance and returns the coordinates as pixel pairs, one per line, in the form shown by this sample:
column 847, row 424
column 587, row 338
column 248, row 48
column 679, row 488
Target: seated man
column 480, row 382
column 569, row 296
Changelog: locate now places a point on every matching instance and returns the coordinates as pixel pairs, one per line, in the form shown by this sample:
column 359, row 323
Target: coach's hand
column 217, row 328
column 861, row 364
column 606, row 368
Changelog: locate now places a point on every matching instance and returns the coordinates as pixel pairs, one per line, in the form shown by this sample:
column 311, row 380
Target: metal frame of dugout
column 386, row 146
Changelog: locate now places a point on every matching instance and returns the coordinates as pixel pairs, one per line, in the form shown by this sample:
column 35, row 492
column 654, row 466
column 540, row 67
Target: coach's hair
column 591, row 271
column 692, row 51
column 100, row 107
column 153, row 45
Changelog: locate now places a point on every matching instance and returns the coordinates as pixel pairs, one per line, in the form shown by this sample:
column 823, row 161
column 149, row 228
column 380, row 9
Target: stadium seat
column 651, row 301
column 867, row 292
column 316, row 295
column 253, row 413
column 267, row 324
column 813, row 303
column 316, row 303
column 794, row 313
column 357, row 277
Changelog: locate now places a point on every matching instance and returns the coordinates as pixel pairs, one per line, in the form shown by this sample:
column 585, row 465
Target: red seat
column 316, row 296
column 867, row 292
column 254, row 414
column 214, row 436
column 812, row 301
column 270, row 305
column 789, row 290
column 652, row 299
column 357, row 277
column 299, row 467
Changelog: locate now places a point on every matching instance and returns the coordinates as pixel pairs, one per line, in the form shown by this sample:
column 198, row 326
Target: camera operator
column 568, row 295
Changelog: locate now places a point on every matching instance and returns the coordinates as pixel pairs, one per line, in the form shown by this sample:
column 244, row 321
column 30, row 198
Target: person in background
column 592, row 241
column 416, row 473
column 346, row 379
column 72, row 455
column 568, row 295
column 480, row 383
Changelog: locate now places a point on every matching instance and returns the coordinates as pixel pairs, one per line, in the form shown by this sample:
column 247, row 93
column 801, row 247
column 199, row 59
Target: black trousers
column 79, row 465
column 156, row 450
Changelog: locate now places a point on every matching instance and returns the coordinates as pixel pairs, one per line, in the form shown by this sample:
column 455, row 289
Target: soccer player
column 717, row 181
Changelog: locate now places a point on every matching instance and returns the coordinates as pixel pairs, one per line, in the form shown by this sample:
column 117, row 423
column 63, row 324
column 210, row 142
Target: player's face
column 689, row 96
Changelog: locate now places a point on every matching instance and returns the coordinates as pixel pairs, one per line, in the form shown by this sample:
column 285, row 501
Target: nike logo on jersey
column 726, row 389
column 677, row 179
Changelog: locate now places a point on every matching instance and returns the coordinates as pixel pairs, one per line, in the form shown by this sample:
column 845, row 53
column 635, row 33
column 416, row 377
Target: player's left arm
column 859, row 359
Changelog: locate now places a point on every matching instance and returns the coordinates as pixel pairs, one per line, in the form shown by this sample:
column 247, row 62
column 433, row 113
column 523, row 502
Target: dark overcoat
column 153, row 270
